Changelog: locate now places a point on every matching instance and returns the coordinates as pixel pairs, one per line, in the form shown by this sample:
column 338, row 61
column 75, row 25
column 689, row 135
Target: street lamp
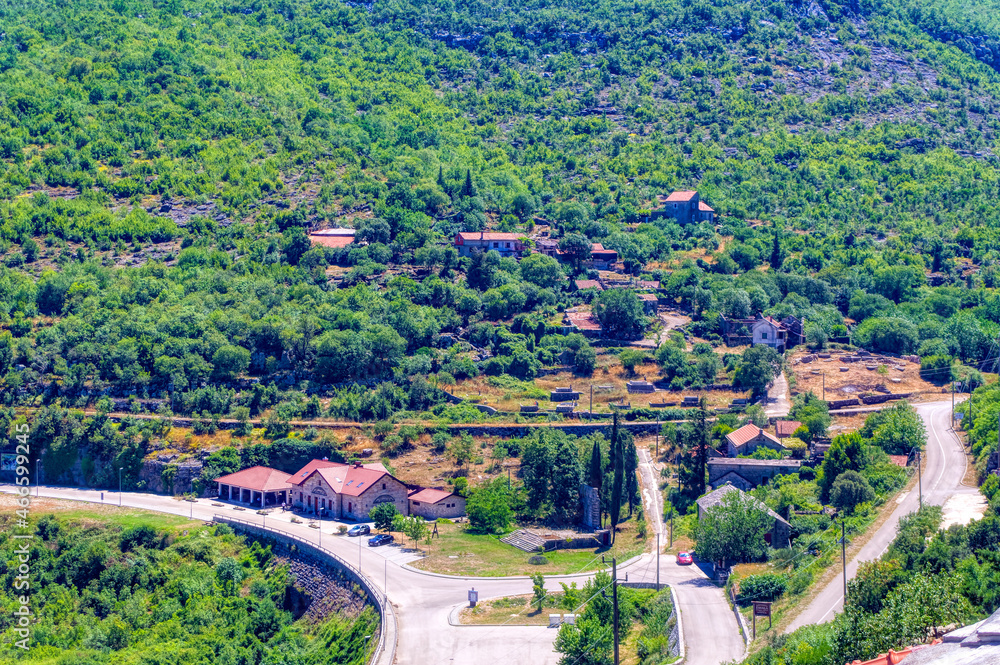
column 120, row 486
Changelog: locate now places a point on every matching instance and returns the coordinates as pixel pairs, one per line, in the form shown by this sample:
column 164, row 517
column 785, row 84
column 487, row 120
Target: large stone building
column 431, row 503
column 749, row 438
column 780, row 533
column 345, row 491
column 506, row 244
column 746, row 473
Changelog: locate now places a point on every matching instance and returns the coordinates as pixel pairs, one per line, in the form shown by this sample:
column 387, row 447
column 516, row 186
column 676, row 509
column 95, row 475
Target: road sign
column 761, row 609
column 473, row 597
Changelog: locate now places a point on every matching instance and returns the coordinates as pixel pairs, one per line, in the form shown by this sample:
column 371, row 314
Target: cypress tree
column 776, row 251
column 631, row 456
column 441, row 182
column 596, row 472
column 619, row 477
column 467, row 189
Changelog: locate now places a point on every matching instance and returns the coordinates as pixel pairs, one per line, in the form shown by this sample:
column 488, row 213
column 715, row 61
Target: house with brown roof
column 506, row 244
column 256, row 486
column 600, row 258
column 432, row 503
column 786, row 428
column 749, row 438
column 686, row 208
column 582, row 284
column 345, row 491
column 332, row 237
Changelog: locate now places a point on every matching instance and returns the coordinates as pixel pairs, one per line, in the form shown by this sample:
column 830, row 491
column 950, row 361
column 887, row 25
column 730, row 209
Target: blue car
column 381, row 539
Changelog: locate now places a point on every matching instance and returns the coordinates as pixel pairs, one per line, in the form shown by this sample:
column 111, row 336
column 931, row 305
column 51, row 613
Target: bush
column 767, row 586
column 849, row 490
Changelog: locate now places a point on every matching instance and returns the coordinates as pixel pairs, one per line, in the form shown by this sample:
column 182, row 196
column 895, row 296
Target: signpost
column 761, row 609
column 473, row 597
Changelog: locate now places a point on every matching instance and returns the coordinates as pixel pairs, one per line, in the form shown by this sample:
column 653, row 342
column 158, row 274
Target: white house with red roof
column 506, row 244
column 749, row 438
column 345, row 491
column 256, row 486
column 769, row 332
column 432, row 503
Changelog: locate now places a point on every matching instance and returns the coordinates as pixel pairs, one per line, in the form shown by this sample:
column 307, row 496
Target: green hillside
column 162, row 162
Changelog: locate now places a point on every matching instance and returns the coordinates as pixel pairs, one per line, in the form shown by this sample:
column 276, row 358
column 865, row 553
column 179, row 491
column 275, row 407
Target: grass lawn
column 458, row 552
column 76, row 510
column 510, row 610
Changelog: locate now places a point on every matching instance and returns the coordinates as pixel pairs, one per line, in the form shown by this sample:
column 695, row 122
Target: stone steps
column 524, row 540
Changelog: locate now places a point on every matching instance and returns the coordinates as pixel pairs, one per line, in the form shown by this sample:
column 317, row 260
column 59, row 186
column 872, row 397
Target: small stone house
column 779, row 535
column 747, row 473
column 686, row 208
column 506, row 244
column 749, row 438
column 431, row 503
column 769, row 332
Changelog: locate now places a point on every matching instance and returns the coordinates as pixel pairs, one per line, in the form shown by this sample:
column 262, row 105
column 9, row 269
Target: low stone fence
column 385, row 651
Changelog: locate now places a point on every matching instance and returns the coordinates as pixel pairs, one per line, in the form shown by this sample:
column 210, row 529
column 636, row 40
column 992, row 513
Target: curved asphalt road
column 424, row 601
column 944, row 468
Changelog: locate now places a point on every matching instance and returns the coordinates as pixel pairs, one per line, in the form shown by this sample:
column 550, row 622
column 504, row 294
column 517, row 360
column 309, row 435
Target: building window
column 496, row 244
column 383, row 485
column 763, row 335
column 416, row 503
column 508, row 245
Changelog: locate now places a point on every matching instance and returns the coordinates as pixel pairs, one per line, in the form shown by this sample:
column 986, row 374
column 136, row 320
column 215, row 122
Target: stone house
column 786, row 428
column 747, row 473
column 431, row 503
column 749, row 438
column 686, row 208
column 506, row 244
column 769, row 332
column 779, row 535
column 346, row 491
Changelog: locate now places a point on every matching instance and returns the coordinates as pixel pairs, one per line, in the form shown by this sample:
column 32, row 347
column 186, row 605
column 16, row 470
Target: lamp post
column 120, row 486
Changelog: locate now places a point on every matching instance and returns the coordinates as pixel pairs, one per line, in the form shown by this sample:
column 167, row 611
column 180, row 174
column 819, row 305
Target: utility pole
column 614, row 596
column 591, row 399
column 953, row 404
column 657, row 435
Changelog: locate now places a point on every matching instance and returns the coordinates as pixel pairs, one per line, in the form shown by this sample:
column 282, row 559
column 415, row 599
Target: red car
column 684, row 559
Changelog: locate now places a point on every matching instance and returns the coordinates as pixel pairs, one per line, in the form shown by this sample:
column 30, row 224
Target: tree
column 538, row 591
column 537, row 464
column 416, row 528
column 461, row 451
column 620, row 313
column 230, row 361
column 631, row 457
column 595, row 470
column 229, row 573
column 541, row 270
column 846, row 453
column 850, row 489
column 383, row 515
column 585, row 360
column 733, row 530
column 467, row 188
column 758, row 367
column 618, row 469
column 891, row 334
column 812, row 412
column 630, row 359
column 897, row 430
column 489, row 507
column 776, row 253
column 576, row 247
column 566, row 476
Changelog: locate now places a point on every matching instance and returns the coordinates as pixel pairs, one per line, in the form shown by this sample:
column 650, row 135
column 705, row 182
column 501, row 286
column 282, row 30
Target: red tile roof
column 895, row 657
column 748, row 432
column 351, row 480
column 681, row 196
column 330, row 240
column 583, row 320
column 649, row 297
column 588, row 284
column 429, row 494
column 785, row 428
column 259, row 478
column 899, row 460
column 704, row 207
column 489, row 235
